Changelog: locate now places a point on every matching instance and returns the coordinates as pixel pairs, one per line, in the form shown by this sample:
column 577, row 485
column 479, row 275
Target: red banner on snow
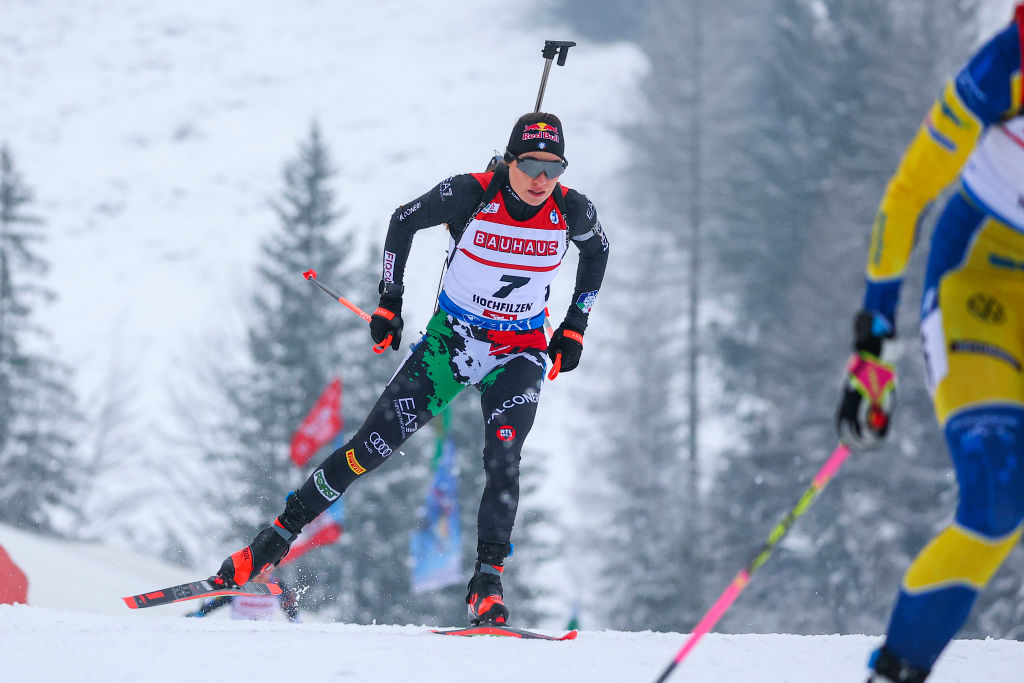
column 13, row 583
column 320, row 426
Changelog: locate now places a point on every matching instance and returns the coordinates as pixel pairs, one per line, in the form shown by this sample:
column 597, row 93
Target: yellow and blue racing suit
column 972, row 323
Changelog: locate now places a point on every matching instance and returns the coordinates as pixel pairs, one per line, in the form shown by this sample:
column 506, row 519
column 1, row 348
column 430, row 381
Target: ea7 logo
column 506, row 432
column 405, row 410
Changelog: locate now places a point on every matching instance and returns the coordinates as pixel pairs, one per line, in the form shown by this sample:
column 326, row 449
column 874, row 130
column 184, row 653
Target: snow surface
column 77, row 629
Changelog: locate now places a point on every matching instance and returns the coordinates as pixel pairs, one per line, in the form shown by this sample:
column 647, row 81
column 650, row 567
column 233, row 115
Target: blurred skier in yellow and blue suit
column 972, row 325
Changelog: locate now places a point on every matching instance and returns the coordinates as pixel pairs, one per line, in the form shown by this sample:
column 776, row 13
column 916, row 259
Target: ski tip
column 130, row 601
column 274, row 589
column 503, row 631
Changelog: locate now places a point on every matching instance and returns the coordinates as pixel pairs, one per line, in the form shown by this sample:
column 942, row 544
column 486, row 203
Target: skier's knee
column 501, row 467
column 986, row 447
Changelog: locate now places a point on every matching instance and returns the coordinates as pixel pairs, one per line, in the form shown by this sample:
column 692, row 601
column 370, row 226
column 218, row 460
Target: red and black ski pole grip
column 387, row 315
column 556, row 366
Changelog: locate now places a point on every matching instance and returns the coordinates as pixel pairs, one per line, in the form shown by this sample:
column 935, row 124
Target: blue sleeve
column 882, row 298
column 984, row 84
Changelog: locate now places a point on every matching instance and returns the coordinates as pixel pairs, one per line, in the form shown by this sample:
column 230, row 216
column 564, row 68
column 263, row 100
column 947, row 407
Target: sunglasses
column 534, row 167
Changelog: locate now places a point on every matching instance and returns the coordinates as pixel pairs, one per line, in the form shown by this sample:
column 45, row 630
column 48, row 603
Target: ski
column 504, row 631
column 196, row 589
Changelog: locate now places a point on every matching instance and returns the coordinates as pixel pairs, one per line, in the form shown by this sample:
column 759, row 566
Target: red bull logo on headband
column 534, row 131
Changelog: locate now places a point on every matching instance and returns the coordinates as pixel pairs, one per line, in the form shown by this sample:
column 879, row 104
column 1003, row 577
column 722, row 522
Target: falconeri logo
column 519, row 400
column 410, row 211
column 323, row 487
column 350, row 458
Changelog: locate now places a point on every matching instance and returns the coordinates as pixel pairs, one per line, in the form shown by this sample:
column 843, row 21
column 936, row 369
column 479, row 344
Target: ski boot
column 484, row 595
column 888, row 668
column 266, row 550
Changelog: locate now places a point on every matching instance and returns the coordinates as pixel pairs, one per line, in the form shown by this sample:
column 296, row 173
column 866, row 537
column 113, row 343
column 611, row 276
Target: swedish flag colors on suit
column 972, row 325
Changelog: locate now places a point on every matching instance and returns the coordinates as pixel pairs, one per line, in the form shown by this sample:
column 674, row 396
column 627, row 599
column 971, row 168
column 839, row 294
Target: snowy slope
column 84, row 577
column 48, row 645
column 88, row 635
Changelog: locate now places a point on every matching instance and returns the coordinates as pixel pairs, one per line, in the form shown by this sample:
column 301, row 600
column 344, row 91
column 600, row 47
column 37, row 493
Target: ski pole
column 729, row 595
column 549, row 332
column 311, row 276
column 551, row 48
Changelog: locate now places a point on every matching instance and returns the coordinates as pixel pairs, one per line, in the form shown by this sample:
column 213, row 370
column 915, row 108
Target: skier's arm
column 450, row 201
column 586, row 233
column 982, row 93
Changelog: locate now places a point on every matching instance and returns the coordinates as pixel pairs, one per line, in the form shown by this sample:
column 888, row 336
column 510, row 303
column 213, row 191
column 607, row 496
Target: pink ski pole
column 729, row 595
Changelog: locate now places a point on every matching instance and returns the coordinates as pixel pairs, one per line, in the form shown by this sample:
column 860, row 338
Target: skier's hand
column 267, row 549
column 387, row 320
column 568, row 341
column 869, row 389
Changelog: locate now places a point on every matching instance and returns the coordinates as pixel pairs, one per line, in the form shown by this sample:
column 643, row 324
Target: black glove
column 387, row 320
column 869, row 388
column 568, row 341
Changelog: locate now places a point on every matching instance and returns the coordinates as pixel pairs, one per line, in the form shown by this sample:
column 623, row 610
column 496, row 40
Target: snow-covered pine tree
column 692, row 169
column 296, row 341
column 638, row 537
column 856, row 117
column 38, row 412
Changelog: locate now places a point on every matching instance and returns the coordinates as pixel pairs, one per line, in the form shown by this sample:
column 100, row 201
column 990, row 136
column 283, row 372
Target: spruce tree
column 691, row 160
column 38, row 413
column 296, row 342
column 856, row 120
